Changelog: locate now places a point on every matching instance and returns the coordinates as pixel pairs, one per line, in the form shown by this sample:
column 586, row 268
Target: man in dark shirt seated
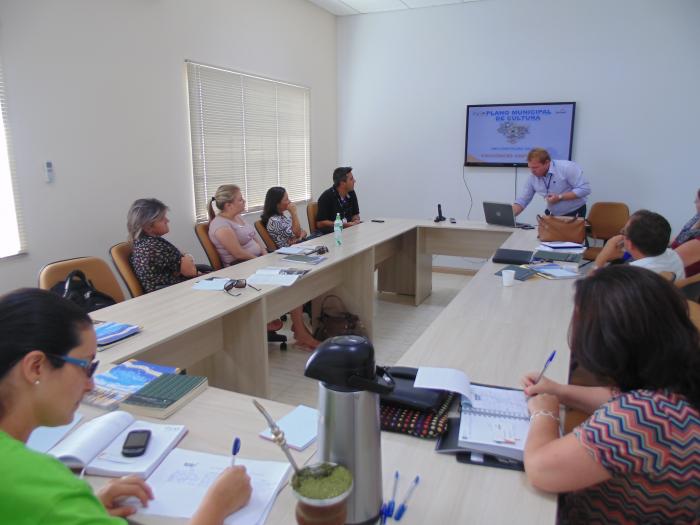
column 341, row 199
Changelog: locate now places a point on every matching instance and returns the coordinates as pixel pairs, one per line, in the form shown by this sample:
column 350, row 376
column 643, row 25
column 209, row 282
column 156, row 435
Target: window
column 11, row 234
column 247, row 131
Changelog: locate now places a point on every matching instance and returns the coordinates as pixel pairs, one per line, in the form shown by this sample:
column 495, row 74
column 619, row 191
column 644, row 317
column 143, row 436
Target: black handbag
column 79, row 290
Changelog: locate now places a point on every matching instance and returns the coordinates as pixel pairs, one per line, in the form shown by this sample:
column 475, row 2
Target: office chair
column 120, row 253
column 605, row 220
column 265, row 236
column 94, row 268
column 311, row 212
column 201, row 230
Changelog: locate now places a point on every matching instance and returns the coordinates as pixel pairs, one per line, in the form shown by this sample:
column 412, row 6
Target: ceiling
column 359, row 7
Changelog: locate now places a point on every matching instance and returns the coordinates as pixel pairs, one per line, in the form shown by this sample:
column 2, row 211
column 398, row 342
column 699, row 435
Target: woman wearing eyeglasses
column 47, row 352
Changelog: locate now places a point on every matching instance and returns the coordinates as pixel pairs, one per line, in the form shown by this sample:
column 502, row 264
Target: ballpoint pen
column 390, row 506
column 404, row 504
column 546, row 364
column 235, row 449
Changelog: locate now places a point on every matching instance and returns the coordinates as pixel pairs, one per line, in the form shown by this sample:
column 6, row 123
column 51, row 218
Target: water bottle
column 338, row 230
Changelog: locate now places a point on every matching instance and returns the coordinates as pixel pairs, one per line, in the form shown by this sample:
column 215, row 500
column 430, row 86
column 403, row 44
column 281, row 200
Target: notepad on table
column 308, row 259
column 522, row 273
column 300, row 427
column 164, row 395
column 97, row 445
column 211, row 283
column 182, row 479
column 555, row 271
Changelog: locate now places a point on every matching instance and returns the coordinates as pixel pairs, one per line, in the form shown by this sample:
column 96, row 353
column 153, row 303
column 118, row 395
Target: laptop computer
column 501, row 214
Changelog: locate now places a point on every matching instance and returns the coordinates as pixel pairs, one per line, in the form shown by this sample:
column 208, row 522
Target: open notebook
column 97, row 445
column 494, row 420
column 180, row 482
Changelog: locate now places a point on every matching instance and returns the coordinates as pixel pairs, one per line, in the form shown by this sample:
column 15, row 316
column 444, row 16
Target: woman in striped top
column 636, row 459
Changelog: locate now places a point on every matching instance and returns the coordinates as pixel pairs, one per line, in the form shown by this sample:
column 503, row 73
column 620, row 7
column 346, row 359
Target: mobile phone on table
column 136, row 443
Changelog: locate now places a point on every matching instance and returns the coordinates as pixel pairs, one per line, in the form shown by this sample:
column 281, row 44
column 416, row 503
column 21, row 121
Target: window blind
column 247, row 131
column 12, row 232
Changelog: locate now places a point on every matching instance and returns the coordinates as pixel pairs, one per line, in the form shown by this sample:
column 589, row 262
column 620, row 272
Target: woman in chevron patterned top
column 636, row 459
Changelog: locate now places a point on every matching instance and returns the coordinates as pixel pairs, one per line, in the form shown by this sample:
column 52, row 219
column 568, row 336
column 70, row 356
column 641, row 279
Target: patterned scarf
column 687, row 232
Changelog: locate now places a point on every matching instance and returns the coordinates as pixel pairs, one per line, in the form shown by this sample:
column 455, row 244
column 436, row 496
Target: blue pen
column 390, row 506
column 382, row 514
column 235, row 449
column 546, row 364
column 402, row 508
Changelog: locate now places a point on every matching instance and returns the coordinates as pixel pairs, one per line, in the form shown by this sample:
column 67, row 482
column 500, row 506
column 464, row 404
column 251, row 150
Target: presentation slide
column 501, row 135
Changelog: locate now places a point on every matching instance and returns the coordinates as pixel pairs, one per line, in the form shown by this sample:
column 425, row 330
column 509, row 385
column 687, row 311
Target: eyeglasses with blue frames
column 88, row 367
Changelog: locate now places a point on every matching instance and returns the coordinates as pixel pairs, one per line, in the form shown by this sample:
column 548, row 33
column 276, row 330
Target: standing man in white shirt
column 560, row 182
column 645, row 237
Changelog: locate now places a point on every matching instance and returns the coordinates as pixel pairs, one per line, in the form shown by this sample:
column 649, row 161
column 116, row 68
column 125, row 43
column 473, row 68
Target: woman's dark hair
column 631, row 327
column 34, row 319
column 273, row 197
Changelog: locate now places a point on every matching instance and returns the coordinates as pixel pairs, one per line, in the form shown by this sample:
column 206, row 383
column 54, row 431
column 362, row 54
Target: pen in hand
column 546, row 365
column 235, row 449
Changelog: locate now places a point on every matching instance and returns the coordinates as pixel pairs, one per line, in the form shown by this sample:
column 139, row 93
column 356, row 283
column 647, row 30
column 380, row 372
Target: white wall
column 405, row 79
column 98, row 87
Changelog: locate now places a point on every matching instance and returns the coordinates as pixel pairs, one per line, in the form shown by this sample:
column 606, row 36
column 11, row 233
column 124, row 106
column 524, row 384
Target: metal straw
column 277, row 435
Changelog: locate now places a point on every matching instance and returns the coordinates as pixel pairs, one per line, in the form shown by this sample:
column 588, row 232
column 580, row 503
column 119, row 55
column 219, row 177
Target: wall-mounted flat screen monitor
column 502, row 134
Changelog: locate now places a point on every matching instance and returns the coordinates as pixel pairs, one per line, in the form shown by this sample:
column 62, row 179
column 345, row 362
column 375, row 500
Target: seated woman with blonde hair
column 47, row 359
column 635, row 459
column 235, row 240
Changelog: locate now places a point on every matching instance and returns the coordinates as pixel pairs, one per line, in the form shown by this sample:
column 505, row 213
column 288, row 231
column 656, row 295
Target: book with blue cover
column 116, row 384
column 109, row 332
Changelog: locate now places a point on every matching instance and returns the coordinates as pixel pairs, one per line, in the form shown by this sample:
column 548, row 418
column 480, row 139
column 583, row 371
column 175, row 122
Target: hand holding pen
column 235, row 449
column 536, row 383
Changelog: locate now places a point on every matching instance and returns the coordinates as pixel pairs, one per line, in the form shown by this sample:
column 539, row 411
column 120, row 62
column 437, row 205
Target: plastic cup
column 508, row 277
column 329, row 511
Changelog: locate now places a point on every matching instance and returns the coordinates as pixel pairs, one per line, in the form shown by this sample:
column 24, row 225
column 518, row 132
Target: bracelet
column 544, row 413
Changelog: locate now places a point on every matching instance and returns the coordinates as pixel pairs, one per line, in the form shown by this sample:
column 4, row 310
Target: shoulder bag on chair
column 555, row 228
column 79, row 289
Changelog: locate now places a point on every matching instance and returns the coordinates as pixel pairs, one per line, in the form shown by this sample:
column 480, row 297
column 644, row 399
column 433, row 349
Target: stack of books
column 144, row 388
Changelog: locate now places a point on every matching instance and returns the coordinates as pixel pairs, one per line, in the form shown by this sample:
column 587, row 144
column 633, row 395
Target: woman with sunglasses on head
column 47, row 352
column 236, row 240
column 636, row 458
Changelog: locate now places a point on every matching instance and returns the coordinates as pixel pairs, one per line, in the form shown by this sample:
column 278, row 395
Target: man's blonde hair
column 538, row 154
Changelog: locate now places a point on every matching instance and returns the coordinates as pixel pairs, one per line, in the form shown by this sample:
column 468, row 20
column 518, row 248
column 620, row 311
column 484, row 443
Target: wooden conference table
column 494, row 334
column 225, row 338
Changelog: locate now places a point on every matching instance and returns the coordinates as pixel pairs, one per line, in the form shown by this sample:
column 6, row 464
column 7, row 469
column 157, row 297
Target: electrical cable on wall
column 471, row 199
column 515, row 185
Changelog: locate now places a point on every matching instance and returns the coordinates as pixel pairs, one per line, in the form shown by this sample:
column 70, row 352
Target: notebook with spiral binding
column 494, row 420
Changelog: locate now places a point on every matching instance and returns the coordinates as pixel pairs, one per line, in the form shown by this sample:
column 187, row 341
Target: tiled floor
column 397, row 325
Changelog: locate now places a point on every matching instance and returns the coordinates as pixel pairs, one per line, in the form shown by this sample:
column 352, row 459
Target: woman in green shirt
column 47, row 352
